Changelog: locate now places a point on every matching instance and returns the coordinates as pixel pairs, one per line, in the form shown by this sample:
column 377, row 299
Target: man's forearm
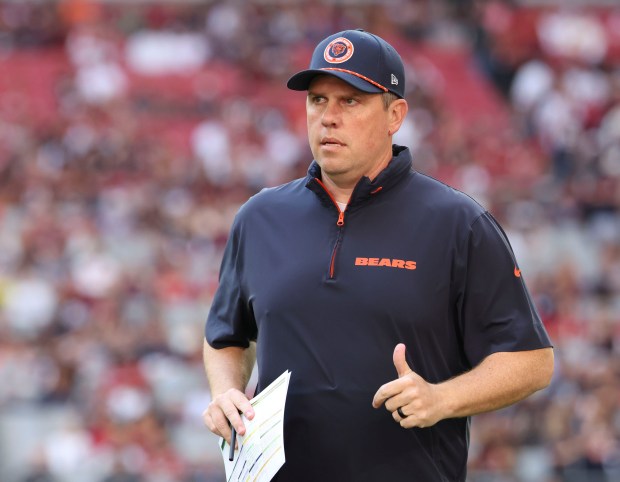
column 500, row 380
column 229, row 367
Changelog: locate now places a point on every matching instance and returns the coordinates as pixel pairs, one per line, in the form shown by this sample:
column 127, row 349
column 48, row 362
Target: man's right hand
column 224, row 411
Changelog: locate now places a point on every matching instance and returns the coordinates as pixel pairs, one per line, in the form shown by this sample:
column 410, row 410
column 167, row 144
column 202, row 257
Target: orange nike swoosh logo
column 517, row 272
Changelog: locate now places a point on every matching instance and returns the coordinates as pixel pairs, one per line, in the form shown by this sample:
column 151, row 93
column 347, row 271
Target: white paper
column 260, row 452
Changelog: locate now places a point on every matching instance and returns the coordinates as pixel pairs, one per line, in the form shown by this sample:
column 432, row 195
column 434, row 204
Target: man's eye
column 351, row 101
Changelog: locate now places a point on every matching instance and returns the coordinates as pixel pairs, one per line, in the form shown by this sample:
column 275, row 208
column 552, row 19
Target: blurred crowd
column 120, row 175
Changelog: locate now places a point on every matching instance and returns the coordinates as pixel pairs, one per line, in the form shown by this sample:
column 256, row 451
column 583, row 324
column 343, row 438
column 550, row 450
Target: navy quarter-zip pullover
column 328, row 294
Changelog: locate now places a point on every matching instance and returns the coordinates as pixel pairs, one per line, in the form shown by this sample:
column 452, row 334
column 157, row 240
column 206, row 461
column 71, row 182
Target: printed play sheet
column 260, row 452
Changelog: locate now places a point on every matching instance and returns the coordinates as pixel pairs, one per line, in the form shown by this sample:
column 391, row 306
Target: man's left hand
column 415, row 397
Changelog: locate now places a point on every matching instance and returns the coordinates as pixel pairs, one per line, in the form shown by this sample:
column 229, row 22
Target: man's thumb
column 400, row 362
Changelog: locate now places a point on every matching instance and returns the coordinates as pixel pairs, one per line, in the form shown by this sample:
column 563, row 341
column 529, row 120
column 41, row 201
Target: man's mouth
column 330, row 141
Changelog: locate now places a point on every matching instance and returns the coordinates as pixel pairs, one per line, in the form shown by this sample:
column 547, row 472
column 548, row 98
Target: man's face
column 347, row 130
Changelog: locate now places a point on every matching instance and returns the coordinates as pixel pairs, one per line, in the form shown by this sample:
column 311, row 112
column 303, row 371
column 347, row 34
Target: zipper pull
column 340, row 219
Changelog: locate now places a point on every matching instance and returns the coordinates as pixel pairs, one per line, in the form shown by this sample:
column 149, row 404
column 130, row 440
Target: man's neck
column 340, row 193
column 342, row 190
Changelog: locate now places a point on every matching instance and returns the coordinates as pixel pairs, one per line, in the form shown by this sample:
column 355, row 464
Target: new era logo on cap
column 360, row 58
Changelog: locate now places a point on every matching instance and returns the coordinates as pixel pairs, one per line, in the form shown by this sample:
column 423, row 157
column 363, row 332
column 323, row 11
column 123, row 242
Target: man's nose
column 331, row 114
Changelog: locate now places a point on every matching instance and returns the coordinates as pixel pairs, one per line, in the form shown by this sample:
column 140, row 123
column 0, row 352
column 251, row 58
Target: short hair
column 388, row 98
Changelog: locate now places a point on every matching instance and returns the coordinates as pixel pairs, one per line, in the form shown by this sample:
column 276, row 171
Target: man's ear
column 397, row 112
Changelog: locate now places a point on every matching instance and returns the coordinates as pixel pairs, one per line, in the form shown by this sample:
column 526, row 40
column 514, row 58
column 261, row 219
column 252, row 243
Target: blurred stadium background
column 130, row 133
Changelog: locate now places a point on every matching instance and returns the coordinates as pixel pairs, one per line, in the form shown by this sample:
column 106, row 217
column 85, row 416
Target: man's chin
column 332, row 171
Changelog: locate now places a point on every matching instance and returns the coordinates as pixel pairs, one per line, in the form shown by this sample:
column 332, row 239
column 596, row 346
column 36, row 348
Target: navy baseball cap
column 360, row 58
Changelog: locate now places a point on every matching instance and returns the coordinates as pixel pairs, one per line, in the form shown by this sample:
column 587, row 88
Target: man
column 395, row 300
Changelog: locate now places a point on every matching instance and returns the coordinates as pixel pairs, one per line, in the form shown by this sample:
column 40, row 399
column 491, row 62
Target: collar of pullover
column 396, row 169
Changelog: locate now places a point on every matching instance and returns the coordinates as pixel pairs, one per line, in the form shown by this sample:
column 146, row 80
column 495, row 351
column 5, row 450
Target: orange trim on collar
column 376, row 84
